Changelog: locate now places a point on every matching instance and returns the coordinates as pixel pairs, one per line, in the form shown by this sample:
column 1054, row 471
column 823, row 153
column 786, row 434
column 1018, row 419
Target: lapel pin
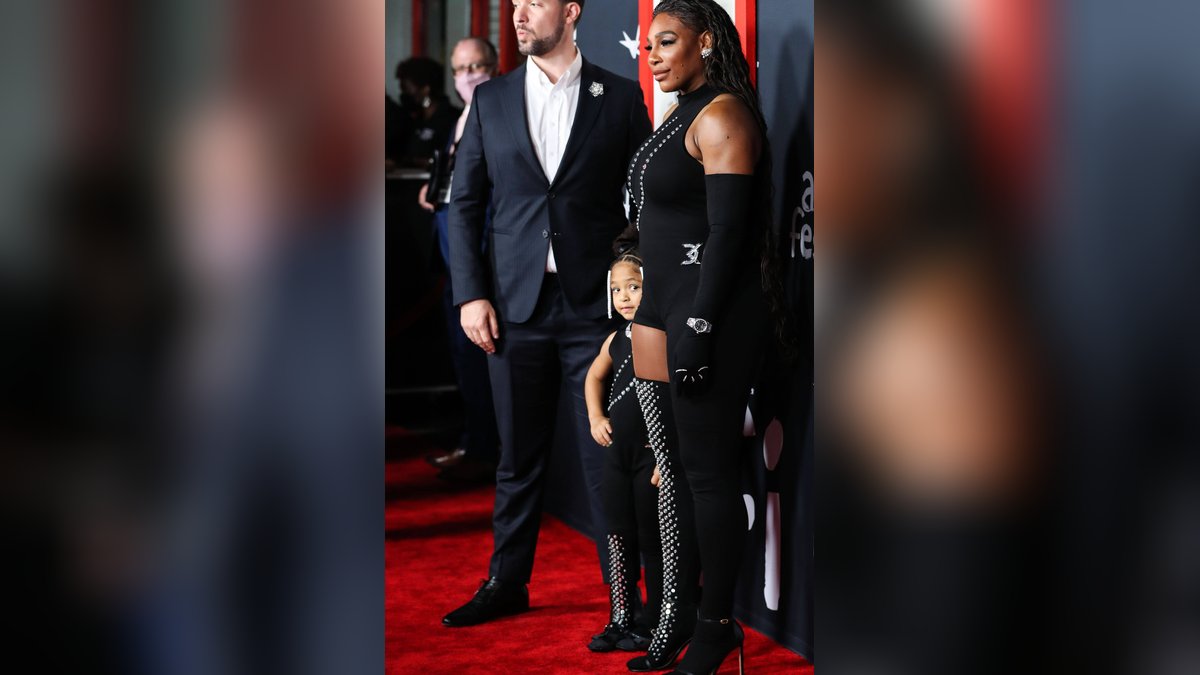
column 596, row 89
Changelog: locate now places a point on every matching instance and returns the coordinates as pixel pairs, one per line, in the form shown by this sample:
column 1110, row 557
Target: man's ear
column 573, row 12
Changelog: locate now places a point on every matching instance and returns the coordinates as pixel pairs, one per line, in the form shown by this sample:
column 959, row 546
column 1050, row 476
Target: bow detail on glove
column 693, row 353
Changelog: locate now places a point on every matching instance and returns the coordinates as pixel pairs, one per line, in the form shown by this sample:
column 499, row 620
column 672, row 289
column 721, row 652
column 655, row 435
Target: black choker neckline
column 694, row 94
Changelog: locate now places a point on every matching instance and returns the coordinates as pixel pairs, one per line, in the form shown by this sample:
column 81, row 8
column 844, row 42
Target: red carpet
column 438, row 542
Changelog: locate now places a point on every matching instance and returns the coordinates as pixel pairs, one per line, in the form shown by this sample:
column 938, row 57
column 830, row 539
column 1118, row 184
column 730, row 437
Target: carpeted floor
column 438, row 542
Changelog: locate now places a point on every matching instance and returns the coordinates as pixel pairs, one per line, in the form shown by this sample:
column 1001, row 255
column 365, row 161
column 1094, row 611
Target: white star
column 631, row 44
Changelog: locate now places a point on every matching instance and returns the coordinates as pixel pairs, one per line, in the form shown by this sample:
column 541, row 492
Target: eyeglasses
column 471, row 67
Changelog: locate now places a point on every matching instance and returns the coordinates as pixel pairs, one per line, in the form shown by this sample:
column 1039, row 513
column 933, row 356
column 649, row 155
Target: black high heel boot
column 621, row 595
column 713, row 642
column 676, row 619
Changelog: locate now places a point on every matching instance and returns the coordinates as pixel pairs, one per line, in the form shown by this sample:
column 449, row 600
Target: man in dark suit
column 553, row 154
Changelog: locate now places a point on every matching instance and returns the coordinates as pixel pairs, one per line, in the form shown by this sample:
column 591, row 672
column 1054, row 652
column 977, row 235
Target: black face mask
column 409, row 102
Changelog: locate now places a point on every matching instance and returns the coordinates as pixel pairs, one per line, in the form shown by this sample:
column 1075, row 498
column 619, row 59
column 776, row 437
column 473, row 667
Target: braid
column 727, row 71
column 628, row 256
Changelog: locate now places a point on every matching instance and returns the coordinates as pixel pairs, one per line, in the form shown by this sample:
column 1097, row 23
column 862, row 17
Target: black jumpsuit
column 668, row 186
column 629, row 497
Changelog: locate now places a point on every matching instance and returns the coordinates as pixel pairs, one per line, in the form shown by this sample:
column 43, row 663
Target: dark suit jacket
column 581, row 210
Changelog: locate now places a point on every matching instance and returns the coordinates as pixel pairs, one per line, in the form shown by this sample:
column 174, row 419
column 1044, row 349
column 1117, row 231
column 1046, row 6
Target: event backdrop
column 775, row 592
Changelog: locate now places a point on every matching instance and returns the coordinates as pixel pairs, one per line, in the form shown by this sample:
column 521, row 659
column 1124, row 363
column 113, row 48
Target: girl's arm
column 593, row 394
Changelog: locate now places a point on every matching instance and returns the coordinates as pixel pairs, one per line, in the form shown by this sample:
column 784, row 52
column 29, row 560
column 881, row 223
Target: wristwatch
column 699, row 325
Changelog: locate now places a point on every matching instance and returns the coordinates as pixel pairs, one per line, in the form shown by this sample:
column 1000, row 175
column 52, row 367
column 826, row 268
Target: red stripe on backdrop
column 479, row 18
column 746, row 19
column 645, row 14
column 1010, row 95
column 508, row 38
column 418, row 28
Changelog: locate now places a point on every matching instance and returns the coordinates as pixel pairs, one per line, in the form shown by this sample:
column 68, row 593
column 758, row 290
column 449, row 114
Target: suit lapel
column 518, row 118
column 586, row 112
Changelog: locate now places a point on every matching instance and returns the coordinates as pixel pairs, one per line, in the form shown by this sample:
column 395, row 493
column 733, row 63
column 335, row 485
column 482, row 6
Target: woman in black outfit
column 701, row 184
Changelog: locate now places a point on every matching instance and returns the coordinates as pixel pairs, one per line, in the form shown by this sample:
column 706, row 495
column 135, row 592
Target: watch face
column 700, row 326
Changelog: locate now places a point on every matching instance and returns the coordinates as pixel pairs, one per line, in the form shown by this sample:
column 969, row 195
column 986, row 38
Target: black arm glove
column 723, row 259
column 692, row 356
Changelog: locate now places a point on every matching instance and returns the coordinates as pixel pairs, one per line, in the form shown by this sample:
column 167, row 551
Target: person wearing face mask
column 473, row 62
column 431, row 115
column 473, row 458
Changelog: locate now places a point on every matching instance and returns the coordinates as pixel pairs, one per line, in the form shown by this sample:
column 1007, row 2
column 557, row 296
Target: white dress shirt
column 550, row 108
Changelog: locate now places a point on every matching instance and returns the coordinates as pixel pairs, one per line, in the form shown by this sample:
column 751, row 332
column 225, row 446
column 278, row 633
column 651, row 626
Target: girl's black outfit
column 700, row 245
column 629, row 502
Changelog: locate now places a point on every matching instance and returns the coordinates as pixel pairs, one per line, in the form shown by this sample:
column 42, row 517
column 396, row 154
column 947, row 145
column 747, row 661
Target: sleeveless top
column 623, row 409
column 667, row 186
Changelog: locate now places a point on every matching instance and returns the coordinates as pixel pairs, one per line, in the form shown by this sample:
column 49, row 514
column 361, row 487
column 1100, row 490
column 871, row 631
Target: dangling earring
column 706, row 52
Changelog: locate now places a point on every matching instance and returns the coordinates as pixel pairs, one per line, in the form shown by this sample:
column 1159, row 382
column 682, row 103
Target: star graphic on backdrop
column 631, row 43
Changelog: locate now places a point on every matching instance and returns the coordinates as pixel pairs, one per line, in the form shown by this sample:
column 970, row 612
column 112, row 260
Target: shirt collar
column 536, row 75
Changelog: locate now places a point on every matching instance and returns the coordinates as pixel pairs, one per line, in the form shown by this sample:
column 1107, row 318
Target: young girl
column 630, row 499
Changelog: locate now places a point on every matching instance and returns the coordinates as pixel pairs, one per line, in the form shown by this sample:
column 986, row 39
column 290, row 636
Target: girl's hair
column 630, row 256
column 727, row 71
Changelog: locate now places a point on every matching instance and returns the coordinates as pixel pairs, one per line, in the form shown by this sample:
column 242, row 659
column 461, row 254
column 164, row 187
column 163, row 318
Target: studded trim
column 621, row 583
column 662, row 135
column 613, row 395
column 649, row 394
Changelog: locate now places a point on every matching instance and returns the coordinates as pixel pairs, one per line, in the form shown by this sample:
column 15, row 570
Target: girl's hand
column 655, row 477
column 602, row 431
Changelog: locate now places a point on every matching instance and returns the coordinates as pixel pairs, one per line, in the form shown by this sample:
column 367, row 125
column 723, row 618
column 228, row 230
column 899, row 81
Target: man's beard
column 541, row 46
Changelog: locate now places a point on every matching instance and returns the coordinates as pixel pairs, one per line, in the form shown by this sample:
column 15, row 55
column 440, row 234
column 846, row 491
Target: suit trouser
column 470, row 369
column 531, row 362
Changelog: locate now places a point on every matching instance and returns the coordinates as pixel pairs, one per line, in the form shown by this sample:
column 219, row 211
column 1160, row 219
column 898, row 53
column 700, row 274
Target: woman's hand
column 602, row 430
column 692, row 374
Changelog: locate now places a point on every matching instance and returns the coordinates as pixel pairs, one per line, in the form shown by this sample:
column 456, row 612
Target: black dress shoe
column 448, row 459
column 636, row 640
column 608, row 639
column 470, row 471
column 493, row 600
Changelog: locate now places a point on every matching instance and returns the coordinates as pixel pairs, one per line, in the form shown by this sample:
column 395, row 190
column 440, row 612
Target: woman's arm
column 728, row 141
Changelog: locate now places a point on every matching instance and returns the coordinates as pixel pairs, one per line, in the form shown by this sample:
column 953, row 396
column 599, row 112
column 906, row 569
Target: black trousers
column 470, row 370
column 710, row 438
column 631, row 507
column 531, row 363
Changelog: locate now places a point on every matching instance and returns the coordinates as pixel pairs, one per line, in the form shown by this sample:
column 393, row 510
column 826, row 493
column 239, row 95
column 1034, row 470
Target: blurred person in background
column 473, row 62
column 399, row 128
column 548, row 145
column 263, row 559
column 151, row 527
column 85, row 343
column 431, row 116
column 930, row 420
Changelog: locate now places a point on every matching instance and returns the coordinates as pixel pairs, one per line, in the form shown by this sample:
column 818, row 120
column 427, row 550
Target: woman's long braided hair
column 727, row 71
